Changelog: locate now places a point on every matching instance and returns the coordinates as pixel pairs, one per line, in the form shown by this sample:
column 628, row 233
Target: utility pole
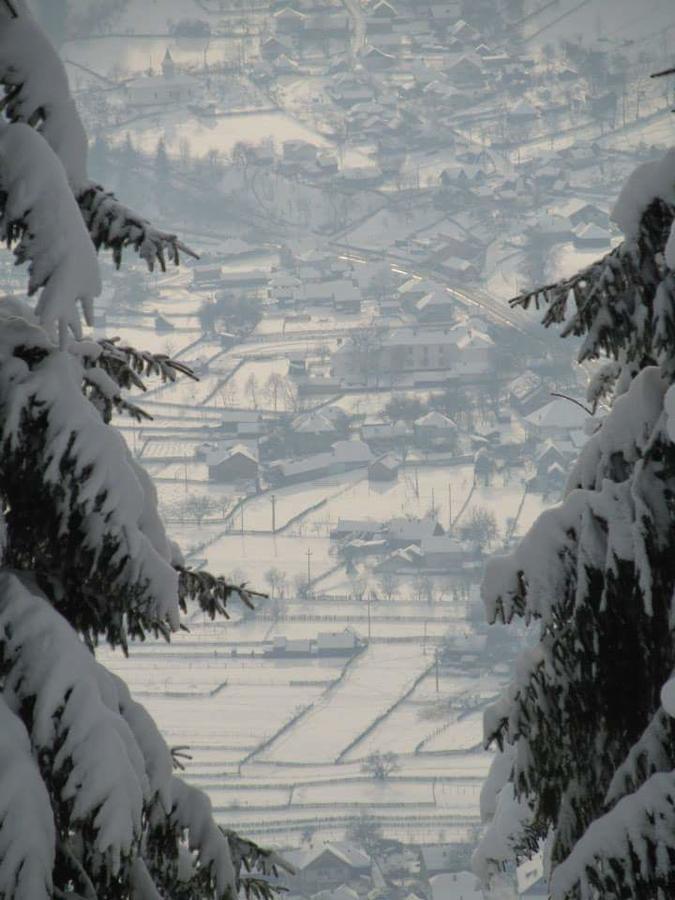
column 449, row 506
column 369, row 617
column 436, row 668
column 424, row 643
column 309, row 568
column 242, row 519
column 274, row 513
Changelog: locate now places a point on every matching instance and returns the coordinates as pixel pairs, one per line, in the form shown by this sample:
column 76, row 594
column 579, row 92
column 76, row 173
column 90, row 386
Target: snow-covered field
column 372, row 684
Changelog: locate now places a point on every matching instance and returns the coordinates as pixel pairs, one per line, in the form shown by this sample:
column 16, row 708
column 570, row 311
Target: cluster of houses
column 315, row 280
column 434, row 355
column 406, row 545
column 326, row 644
column 340, row 870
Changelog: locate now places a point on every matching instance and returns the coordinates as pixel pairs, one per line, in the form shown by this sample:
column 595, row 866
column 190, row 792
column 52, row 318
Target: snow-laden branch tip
column 40, row 218
column 37, row 94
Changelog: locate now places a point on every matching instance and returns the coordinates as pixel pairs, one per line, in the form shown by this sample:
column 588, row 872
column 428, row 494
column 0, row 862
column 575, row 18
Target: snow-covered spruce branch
column 628, row 852
column 40, row 219
column 98, row 546
column 582, row 720
column 97, row 790
column 126, row 364
column 608, row 294
column 110, row 367
column 212, row 592
column 26, row 819
column 36, row 93
column 114, row 226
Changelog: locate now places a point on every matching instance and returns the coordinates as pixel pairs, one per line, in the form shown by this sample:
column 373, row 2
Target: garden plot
column 386, row 226
column 188, row 392
column 411, row 495
column 457, row 688
column 366, row 403
column 289, row 834
column 253, row 555
column 463, row 734
column 258, row 798
column 502, row 501
column 458, row 797
column 258, row 384
column 188, row 416
column 403, row 729
column 292, row 500
column 184, row 472
column 398, row 733
column 177, row 497
column 241, row 714
column 371, row 685
column 447, row 591
column 401, row 632
column 182, row 677
column 364, row 792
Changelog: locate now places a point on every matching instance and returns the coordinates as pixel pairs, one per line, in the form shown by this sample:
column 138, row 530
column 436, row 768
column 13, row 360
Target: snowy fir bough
column 90, row 802
column 585, row 731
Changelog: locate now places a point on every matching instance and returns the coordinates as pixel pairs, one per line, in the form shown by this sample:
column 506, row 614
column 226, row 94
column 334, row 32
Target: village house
column 327, row 866
column 460, row 347
column 527, row 392
column 403, row 559
column 337, row 643
column 284, row 288
column 592, row 237
column 441, row 553
column 240, row 423
column 342, row 294
column 467, row 71
column 342, row 457
column 237, row 463
column 580, row 212
column 272, row 48
column 435, row 307
column 381, row 17
column 557, row 419
column 313, row 432
column 434, row 430
column 326, row 644
column 376, row 60
column 367, row 529
column 299, row 151
column 386, row 434
column 402, row 532
column 414, row 290
column 289, row 21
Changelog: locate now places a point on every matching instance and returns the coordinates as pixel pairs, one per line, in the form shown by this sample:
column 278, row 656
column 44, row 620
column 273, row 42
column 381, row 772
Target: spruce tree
column 587, row 747
column 90, row 805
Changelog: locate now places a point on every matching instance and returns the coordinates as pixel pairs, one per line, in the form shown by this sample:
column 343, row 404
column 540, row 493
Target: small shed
column 336, row 643
column 434, row 428
column 385, row 468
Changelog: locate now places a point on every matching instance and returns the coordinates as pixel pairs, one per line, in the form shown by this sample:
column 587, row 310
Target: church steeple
column 168, row 65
